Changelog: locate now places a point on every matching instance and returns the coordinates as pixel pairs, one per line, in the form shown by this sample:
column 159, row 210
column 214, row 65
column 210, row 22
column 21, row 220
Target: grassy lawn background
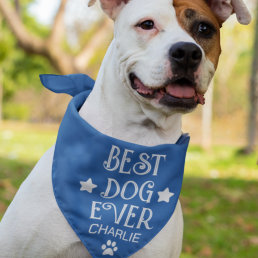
column 219, row 195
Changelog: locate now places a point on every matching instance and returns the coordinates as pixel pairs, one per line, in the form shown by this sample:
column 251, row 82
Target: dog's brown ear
column 110, row 7
column 224, row 8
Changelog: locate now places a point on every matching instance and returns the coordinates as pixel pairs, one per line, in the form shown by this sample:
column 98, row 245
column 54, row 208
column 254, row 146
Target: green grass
column 221, row 162
column 219, row 194
column 220, row 217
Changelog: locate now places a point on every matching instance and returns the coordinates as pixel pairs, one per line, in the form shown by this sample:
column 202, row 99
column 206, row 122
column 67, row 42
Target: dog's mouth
column 179, row 92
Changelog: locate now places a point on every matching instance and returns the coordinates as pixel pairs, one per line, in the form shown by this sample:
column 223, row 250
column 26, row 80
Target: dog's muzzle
column 180, row 91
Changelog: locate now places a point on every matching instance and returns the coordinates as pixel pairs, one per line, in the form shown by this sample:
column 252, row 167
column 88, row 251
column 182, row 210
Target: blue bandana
column 116, row 195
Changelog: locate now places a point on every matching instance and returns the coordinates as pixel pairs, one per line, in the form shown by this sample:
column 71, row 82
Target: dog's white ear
column 110, row 7
column 224, row 8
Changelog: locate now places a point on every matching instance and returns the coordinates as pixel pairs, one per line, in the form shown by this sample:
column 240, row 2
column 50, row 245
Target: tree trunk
column 18, row 7
column 207, row 118
column 252, row 124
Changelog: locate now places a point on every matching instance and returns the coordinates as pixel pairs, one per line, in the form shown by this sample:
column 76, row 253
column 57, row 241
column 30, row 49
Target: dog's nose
column 185, row 55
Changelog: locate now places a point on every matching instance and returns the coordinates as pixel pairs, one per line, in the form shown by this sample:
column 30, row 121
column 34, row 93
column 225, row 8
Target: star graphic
column 87, row 185
column 165, row 195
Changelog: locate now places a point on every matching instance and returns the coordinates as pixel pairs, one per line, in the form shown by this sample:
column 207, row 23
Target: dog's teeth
column 201, row 99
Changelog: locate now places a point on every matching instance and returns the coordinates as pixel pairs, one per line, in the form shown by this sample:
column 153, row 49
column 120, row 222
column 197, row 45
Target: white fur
column 33, row 225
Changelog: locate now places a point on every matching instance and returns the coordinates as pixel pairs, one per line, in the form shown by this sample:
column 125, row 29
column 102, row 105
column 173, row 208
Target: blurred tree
column 207, row 113
column 252, row 125
column 19, row 70
column 1, row 94
column 51, row 46
column 231, row 79
column 40, row 45
column 21, row 61
column 1, row 79
column 17, row 7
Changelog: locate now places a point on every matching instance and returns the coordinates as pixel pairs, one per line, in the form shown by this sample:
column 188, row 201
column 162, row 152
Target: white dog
column 159, row 65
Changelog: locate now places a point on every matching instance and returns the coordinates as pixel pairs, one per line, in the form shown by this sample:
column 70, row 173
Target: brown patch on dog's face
column 199, row 21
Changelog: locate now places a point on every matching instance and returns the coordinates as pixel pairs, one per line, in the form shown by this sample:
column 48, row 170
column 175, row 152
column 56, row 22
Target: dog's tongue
column 185, row 92
column 180, row 91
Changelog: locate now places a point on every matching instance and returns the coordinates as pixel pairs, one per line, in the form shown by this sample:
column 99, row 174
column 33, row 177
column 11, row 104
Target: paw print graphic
column 109, row 248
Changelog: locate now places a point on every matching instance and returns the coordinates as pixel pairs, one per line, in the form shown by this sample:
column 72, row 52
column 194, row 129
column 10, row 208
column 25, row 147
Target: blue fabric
column 71, row 84
column 116, row 195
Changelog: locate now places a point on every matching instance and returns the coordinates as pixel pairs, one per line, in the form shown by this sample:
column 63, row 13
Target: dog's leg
column 76, row 250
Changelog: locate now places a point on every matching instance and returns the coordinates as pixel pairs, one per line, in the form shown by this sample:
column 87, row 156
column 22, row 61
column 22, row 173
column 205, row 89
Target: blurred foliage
column 233, row 74
column 21, row 70
column 221, row 163
column 16, row 111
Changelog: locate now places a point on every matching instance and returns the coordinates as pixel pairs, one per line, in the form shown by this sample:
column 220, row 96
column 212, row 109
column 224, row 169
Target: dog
column 157, row 68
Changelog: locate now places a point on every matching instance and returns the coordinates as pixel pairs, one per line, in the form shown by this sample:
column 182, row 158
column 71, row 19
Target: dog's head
column 168, row 51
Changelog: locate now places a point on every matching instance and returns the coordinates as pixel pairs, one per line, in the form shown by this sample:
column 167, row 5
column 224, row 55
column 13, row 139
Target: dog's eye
column 146, row 25
column 205, row 30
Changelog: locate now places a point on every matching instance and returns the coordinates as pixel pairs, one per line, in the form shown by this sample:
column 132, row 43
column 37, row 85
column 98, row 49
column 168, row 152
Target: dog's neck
column 112, row 110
